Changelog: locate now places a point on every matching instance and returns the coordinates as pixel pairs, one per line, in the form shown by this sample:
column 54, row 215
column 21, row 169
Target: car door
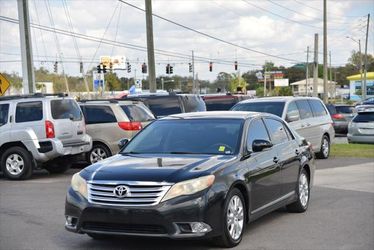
column 288, row 154
column 264, row 173
column 308, row 127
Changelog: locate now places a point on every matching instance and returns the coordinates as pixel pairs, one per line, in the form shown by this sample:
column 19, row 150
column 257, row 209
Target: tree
column 236, row 83
column 282, row 91
column 112, row 82
column 223, row 81
column 251, row 79
column 355, row 60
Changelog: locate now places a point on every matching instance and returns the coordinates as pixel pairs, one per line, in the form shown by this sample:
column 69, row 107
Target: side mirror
column 292, row 117
column 122, row 143
column 260, row 145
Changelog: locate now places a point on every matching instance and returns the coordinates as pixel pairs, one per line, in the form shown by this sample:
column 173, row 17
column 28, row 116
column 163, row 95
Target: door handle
column 275, row 159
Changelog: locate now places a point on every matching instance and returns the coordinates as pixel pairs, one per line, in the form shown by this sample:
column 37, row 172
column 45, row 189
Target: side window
column 99, row 114
column 317, row 108
column 65, row 109
column 304, row 109
column 4, row 110
column 137, row 113
column 256, row 131
column 293, row 113
column 164, row 106
column 29, row 111
column 276, row 130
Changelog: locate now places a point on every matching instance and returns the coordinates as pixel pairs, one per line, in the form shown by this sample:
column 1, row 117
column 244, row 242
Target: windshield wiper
column 183, row 153
column 131, row 152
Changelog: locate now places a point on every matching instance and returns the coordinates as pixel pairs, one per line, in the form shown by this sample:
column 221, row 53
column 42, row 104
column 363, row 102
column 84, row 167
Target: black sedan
column 194, row 175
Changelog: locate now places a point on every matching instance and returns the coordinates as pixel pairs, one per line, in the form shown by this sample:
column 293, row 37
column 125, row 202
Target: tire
column 324, row 153
column 228, row 239
column 303, row 194
column 16, row 163
column 98, row 152
column 58, row 166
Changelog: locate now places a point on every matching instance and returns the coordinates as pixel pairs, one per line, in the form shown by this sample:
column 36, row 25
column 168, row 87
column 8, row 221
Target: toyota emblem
column 121, row 191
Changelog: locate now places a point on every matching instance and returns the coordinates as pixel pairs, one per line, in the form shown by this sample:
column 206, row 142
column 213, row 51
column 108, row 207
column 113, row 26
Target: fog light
column 200, row 227
column 71, row 221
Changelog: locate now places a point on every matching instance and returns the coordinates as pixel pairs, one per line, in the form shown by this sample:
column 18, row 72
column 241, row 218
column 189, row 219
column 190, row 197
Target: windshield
column 191, row 136
column 275, row 108
column 364, row 117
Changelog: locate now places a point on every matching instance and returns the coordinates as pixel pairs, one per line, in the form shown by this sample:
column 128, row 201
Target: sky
column 247, row 31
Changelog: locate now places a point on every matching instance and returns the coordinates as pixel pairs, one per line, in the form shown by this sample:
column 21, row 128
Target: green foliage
column 112, row 82
column 260, row 91
column 282, row 91
column 236, row 82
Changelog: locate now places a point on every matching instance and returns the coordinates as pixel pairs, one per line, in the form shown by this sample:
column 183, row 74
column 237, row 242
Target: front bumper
column 171, row 219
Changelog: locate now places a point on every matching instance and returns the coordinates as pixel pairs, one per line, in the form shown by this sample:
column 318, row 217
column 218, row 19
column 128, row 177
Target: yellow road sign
column 4, row 84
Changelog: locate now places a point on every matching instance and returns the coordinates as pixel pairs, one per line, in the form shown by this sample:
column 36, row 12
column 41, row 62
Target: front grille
column 124, row 228
column 138, row 193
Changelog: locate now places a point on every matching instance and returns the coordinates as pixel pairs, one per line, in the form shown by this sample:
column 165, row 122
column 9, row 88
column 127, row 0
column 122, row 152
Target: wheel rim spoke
column 235, row 217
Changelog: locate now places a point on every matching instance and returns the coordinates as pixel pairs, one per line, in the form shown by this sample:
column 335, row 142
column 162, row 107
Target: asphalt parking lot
column 340, row 216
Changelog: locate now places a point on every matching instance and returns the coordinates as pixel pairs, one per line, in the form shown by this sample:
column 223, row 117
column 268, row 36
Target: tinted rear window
column 136, row 113
column 364, row 117
column 165, row 106
column 65, row 109
column 98, row 114
column 317, row 108
column 304, row 109
column 4, row 110
column 214, row 104
column 29, row 112
column 275, row 108
column 345, row 109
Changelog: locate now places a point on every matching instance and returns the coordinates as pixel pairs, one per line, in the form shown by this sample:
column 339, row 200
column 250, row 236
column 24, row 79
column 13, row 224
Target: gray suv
column 308, row 116
column 40, row 131
column 109, row 121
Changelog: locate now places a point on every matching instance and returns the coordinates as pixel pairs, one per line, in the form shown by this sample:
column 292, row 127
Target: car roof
column 279, row 99
column 218, row 115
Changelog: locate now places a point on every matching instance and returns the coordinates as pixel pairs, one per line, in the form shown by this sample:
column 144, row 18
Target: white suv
column 306, row 115
column 40, row 131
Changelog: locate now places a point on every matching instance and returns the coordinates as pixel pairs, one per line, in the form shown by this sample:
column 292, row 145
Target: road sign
column 4, row 84
column 281, row 82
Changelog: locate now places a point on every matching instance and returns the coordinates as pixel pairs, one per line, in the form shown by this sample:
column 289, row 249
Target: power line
column 210, row 36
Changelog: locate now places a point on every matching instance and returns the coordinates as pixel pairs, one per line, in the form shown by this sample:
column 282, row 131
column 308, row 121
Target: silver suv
column 306, row 115
column 109, row 121
column 40, row 131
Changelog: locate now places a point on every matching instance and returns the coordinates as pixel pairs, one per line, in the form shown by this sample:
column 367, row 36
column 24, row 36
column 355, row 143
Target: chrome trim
column 273, row 202
column 141, row 193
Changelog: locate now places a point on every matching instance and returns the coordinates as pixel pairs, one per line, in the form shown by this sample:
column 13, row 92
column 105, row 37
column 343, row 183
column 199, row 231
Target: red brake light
column 130, row 125
column 337, row 116
column 49, row 129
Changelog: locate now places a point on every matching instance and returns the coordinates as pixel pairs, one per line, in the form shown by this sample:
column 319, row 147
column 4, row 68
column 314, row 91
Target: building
column 304, row 87
column 355, row 86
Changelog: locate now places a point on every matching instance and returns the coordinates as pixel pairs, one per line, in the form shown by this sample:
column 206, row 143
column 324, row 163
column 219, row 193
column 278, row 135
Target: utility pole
column 315, row 69
column 150, row 47
column 26, row 47
column 330, row 86
column 194, row 87
column 307, row 72
column 265, row 80
column 325, row 97
column 366, row 59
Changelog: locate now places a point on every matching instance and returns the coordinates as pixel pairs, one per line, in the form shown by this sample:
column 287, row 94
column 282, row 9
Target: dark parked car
column 168, row 104
column 217, row 102
column 341, row 115
column 194, row 175
column 367, row 101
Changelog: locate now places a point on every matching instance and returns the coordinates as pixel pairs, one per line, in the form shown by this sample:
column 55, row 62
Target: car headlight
column 79, row 185
column 189, row 187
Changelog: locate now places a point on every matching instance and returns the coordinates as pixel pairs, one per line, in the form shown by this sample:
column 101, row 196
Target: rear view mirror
column 260, row 145
column 122, row 143
column 291, row 117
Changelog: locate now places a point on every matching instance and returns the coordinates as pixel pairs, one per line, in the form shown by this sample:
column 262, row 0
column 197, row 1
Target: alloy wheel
column 14, row 164
column 325, row 147
column 235, row 217
column 97, row 154
column 303, row 189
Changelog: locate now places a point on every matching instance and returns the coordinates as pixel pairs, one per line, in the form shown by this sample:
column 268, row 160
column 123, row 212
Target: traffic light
column 98, row 67
column 171, row 69
column 81, row 67
column 128, row 67
column 210, row 66
column 104, row 68
column 236, row 65
column 144, row 68
column 168, row 69
column 55, row 69
column 110, row 67
column 190, row 67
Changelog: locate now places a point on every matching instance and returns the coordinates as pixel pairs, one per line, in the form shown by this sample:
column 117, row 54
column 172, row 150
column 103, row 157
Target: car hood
column 158, row 168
